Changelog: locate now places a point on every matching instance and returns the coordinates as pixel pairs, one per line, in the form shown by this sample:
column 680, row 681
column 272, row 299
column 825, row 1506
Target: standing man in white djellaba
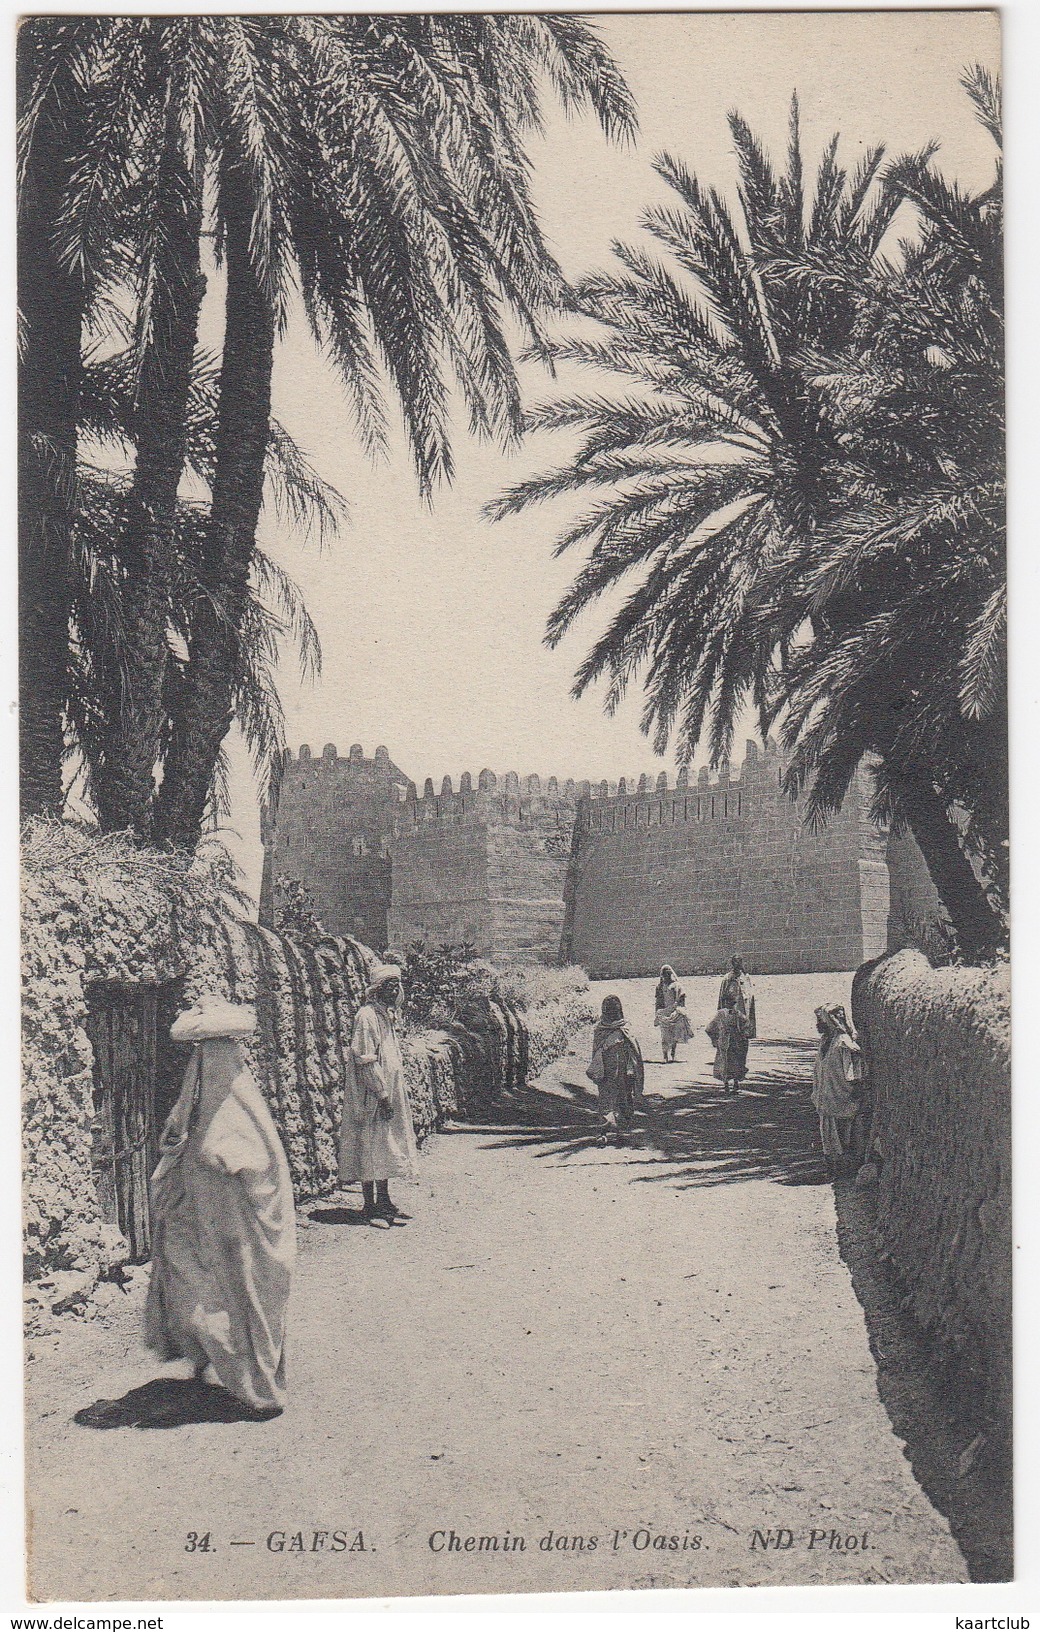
column 377, row 1139
column 224, row 1238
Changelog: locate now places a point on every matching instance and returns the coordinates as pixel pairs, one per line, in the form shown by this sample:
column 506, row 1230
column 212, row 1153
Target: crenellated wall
column 619, row 876
column 692, row 873
column 329, row 822
column 485, row 864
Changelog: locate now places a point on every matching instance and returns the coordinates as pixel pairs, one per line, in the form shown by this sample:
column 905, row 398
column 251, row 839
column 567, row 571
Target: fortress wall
column 528, row 855
column 914, row 901
column 327, row 809
column 440, row 882
column 485, row 863
column 691, row 875
column 619, row 876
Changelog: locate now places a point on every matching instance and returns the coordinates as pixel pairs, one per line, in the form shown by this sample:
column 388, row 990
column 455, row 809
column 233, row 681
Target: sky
column 431, row 618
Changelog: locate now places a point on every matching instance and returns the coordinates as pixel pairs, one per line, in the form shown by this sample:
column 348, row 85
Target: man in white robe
column 224, row 1224
column 377, row 1137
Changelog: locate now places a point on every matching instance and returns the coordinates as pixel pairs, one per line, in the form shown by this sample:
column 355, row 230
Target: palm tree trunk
column 207, row 694
column 123, row 785
column 979, row 927
column 51, row 301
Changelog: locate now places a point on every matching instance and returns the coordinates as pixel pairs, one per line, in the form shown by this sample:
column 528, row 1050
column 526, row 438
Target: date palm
column 103, row 608
column 384, row 172
column 105, row 585
column 917, row 674
column 374, row 162
column 51, row 298
column 755, row 440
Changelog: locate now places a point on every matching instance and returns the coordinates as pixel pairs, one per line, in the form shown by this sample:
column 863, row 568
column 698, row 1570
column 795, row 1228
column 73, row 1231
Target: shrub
column 296, row 914
column 439, row 981
column 557, row 1005
column 533, row 986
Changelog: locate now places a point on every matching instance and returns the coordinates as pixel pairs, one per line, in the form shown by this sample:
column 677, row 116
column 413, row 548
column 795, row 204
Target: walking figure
column 838, row 1087
column 224, row 1230
column 726, row 1030
column 670, row 1013
column 737, row 995
column 617, row 1070
column 377, row 1138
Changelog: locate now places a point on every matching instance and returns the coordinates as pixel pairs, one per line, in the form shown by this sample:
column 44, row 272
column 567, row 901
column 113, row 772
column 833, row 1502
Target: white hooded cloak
column 224, row 1227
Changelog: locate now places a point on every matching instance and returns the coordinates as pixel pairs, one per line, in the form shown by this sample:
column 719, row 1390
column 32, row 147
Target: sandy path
column 656, row 1341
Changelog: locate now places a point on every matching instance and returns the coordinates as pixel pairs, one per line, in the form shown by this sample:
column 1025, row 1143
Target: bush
column 556, row 1004
column 537, row 984
column 439, row 981
column 296, row 914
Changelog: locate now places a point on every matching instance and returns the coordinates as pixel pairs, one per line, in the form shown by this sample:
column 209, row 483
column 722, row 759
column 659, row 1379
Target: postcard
column 514, row 787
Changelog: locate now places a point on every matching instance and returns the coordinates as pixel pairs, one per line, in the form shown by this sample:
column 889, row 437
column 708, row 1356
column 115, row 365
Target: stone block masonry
column 486, row 864
column 692, row 874
column 620, row 877
column 329, row 822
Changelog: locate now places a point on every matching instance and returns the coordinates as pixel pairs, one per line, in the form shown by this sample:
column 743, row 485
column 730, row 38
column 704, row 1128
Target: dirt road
column 579, row 1349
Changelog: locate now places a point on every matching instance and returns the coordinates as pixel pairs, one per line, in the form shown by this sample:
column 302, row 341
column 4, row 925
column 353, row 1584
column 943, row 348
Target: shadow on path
column 338, row 1215
column 168, row 1402
column 966, row 1477
column 699, row 1134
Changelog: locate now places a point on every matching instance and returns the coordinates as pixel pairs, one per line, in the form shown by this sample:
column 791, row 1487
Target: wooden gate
column 135, row 1085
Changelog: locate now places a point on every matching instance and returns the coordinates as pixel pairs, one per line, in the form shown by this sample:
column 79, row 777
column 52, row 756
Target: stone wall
column 439, row 889
column 329, row 822
column 485, row 864
column 937, row 1043
column 621, row 877
column 914, row 904
column 691, row 874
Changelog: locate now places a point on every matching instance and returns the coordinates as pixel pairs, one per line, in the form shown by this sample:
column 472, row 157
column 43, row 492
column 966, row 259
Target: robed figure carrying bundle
column 616, row 1068
column 732, row 1026
column 224, row 1230
column 670, row 1016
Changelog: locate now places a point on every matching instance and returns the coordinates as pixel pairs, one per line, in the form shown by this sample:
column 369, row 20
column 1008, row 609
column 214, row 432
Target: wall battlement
column 619, row 875
column 329, row 822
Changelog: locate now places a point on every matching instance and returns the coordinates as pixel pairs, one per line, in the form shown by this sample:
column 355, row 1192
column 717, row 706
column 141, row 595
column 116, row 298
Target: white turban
column 211, row 1017
column 380, row 975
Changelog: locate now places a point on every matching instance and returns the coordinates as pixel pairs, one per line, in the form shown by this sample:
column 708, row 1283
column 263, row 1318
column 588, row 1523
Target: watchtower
column 330, row 824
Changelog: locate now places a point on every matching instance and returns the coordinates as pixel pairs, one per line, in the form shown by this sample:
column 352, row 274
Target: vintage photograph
column 514, row 803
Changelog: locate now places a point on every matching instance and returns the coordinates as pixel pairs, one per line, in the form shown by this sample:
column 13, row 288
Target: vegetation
column 296, row 914
column 805, row 472
column 375, row 164
column 439, row 980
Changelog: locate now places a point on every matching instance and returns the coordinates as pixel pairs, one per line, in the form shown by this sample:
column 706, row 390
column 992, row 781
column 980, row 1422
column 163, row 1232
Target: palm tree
column 103, row 605
column 377, row 160
column 163, row 211
column 768, row 479
column 126, row 212
column 106, row 582
column 51, row 299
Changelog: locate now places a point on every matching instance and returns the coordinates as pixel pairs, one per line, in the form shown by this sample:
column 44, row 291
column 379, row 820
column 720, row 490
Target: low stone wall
column 938, row 1046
